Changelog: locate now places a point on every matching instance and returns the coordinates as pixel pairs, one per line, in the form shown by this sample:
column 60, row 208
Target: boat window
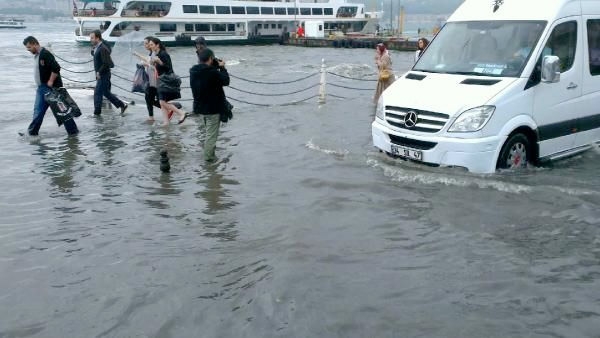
column 223, row 10
column 279, row 26
column 279, row 11
column 238, row 10
column 317, row 11
column 189, row 27
column 231, row 27
column 328, row 11
column 304, row 11
column 252, row 10
column 202, row 27
column 259, row 26
column 346, row 12
column 207, row 9
column 219, row 27
column 190, row 9
column 292, row 11
column 266, row 10
column 273, row 26
column 593, row 33
column 168, row 27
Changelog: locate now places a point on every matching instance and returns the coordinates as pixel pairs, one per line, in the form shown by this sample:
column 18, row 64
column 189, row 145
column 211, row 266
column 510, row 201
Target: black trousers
column 151, row 100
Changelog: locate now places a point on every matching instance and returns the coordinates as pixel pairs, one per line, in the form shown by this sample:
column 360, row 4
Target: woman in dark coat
column 163, row 65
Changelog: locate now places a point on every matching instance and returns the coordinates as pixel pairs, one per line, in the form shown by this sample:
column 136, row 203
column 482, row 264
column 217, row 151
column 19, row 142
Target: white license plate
column 407, row 153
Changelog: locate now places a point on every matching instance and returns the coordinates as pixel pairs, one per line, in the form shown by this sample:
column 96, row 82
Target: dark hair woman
column 163, row 65
column 422, row 44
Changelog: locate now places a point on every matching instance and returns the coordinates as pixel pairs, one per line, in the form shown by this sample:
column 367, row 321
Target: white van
column 504, row 83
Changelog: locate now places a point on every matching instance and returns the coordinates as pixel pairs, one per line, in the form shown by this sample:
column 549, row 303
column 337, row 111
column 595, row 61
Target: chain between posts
column 321, row 95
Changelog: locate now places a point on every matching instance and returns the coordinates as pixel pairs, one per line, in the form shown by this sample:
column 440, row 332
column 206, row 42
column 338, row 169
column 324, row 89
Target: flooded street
column 301, row 229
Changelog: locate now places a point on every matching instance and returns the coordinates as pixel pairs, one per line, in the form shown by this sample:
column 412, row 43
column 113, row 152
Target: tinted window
column 292, row 11
column 563, row 43
column 317, row 11
column 190, row 9
column 223, row 10
column 207, row 9
column 238, row 10
column 304, row 11
column 280, row 11
column 168, row 27
column 266, row 10
column 219, row 27
column 189, row 27
column 252, row 10
column 328, row 11
column 231, row 27
column 593, row 32
column 202, row 27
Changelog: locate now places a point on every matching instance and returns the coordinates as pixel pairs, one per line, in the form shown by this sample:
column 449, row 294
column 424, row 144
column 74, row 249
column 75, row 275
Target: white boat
column 179, row 22
column 12, row 23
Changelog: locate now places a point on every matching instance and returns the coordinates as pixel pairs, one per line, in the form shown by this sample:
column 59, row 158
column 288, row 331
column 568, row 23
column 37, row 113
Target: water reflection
column 59, row 163
column 215, row 194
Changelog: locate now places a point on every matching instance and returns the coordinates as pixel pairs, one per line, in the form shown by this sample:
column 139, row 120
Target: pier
column 393, row 43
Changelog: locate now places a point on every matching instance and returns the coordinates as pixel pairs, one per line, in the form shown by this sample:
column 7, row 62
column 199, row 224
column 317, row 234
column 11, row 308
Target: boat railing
column 143, row 14
column 94, row 12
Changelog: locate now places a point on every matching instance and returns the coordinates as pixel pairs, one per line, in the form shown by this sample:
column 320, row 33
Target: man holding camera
column 207, row 80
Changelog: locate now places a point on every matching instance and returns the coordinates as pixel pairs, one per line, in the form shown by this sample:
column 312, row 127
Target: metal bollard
column 322, row 83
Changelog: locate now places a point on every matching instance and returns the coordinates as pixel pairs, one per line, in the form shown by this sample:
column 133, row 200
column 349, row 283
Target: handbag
column 169, row 83
column 228, row 113
column 140, row 80
column 384, row 75
column 62, row 105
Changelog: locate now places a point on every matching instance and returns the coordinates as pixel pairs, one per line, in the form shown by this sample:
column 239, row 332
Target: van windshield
column 482, row 48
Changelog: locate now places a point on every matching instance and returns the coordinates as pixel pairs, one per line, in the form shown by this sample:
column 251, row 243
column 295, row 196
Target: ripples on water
column 301, row 229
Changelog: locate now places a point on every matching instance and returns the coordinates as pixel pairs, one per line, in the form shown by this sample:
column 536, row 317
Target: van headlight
column 472, row 120
column 379, row 110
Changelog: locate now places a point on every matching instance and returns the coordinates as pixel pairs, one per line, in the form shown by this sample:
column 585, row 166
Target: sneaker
column 124, row 108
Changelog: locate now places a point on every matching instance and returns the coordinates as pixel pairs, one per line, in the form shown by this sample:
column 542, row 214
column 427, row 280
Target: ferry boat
column 179, row 22
column 12, row 23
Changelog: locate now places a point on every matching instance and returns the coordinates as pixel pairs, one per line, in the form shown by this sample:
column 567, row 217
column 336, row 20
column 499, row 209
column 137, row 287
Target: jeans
column 39, row 110
column 211, row 124
column 103, row 89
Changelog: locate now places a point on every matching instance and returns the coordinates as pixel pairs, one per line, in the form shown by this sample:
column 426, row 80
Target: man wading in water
column 47, row 76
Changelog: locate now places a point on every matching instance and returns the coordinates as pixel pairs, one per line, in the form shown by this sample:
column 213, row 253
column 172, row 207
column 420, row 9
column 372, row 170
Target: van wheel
column 515, row 153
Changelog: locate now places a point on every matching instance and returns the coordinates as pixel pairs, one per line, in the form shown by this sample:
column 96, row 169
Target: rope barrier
column 346, row 87
column 352, row 78
column 273, row 83
column 339, row 97
column 281, row 94
column 76, row 81
column 74, row 62
column 127, row 74
column 76, row 72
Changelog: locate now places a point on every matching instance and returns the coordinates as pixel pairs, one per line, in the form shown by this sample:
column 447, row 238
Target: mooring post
column 322, row 83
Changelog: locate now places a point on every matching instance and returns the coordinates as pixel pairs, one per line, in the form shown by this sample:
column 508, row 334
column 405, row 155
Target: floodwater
column 302, row 229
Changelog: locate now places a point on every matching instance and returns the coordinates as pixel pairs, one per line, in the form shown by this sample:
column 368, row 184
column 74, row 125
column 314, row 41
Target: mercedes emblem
column 410, row 119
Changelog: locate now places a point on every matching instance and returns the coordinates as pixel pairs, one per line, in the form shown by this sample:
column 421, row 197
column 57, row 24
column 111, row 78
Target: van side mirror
column 551, row 69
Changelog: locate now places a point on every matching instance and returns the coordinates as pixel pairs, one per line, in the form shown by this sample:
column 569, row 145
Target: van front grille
column 426, row 121
column 411, row 143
